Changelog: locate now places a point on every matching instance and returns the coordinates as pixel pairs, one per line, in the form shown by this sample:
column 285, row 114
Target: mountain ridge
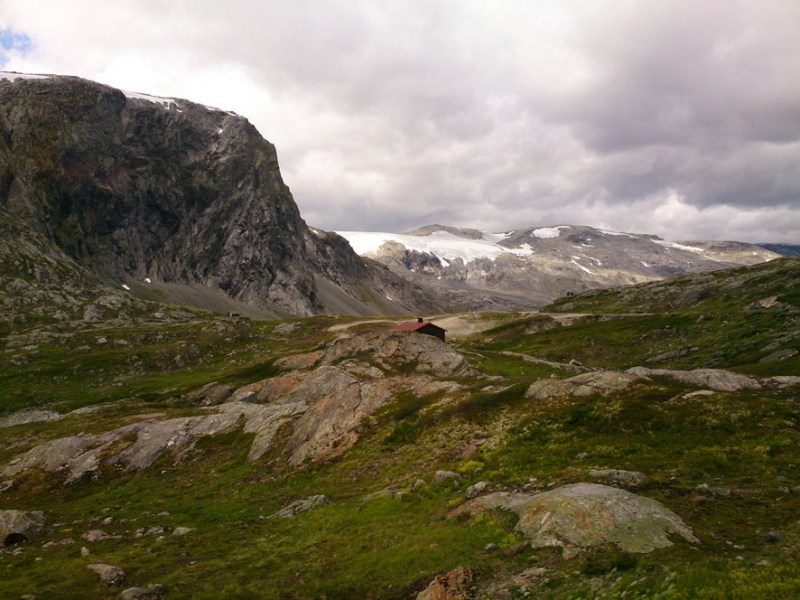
column 535, row 265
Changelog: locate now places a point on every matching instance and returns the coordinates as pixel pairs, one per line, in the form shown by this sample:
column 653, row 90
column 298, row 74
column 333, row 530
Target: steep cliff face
column 135, row 187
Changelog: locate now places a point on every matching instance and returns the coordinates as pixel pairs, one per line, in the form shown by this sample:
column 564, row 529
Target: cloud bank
column 679, row 118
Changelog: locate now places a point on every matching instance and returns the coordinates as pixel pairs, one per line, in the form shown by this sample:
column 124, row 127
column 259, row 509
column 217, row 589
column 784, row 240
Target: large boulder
column 584, row 515
column 18, row 526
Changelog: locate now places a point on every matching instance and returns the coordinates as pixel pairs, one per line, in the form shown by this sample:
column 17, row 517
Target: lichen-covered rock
column 586, row 384
column 20, row 526
column 584, row 515
column 715, row 379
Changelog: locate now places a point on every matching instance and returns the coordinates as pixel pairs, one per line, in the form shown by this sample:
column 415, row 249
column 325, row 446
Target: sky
column 676, row 118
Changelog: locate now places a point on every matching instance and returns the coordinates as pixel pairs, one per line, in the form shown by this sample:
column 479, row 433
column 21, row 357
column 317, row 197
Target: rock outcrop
column 585, row 384
column 719, row 380
column 584, row 515
column 325, row 404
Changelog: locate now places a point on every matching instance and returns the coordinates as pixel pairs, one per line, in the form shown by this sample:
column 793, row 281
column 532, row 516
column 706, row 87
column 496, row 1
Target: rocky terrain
column 637, row 441
column 533, row 266
column 176, row 201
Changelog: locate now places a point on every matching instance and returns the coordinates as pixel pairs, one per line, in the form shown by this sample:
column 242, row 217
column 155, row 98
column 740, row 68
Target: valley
column 185, row 438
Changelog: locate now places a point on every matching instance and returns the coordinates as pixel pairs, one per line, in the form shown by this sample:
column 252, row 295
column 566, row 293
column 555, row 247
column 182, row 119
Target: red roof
column 415, row 326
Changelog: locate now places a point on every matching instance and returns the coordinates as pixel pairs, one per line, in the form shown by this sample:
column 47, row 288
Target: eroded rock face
column 583, row 515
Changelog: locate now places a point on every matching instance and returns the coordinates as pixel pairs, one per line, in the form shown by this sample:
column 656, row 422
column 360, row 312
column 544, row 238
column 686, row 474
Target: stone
column 779, row 356
column 182, row 530
column 453, row 585
column 440, row 476
column 29, row 416
column 95, row 535
column 580, row 516
column 618, row 475
column 109, row 574
column 17, row 526
column 586, row 384
column 301, row 506
column 476, row 489
column 773, row 537
column 391, row 490
column 139, row 593
column 719, row 380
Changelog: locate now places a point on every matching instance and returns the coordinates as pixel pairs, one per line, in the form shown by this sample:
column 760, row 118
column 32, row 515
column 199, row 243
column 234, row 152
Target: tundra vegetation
column 544, row 402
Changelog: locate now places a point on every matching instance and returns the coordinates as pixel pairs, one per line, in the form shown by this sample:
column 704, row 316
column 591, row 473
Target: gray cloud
column 680, row 119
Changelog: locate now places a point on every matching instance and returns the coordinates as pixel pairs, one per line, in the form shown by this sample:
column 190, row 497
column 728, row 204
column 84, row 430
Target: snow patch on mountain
column 445, row 246
column 11, row 76
column 549, row 232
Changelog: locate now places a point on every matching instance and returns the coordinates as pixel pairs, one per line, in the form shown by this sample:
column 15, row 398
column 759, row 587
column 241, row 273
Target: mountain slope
column 137, row 188
column 536, row 265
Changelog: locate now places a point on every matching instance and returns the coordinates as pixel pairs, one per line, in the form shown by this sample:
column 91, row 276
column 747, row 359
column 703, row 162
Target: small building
column 422, row 326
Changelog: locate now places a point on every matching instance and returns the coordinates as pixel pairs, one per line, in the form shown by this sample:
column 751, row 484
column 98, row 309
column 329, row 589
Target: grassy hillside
column 725, row 462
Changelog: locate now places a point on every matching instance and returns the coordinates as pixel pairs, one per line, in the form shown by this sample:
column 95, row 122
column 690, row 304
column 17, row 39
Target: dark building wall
column 433, row 330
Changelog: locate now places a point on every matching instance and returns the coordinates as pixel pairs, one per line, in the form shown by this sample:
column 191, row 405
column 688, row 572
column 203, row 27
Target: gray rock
column 109, row 574
column 418, row 486
column 301, row 506
column 440, row 476
column 18, row 526
column 773, row 537
column 391, row 490
column 95, row 535
column 29, row 416
column 476, row 489
column 719, row 491
column 138, row 593
column 715, row 379
column 182, row 530
column 779, row 356
column 586, row 384
column 619, row 475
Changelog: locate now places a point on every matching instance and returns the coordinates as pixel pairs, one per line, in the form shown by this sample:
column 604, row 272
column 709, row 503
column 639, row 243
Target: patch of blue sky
column 13, row 42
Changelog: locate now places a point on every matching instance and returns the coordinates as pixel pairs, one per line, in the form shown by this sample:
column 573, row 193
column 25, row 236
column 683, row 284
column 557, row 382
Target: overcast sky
column 677, row 118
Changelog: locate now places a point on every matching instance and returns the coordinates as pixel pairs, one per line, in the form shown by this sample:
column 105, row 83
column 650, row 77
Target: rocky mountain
column 177, row 201
column 533, row 266
column 790, row 250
